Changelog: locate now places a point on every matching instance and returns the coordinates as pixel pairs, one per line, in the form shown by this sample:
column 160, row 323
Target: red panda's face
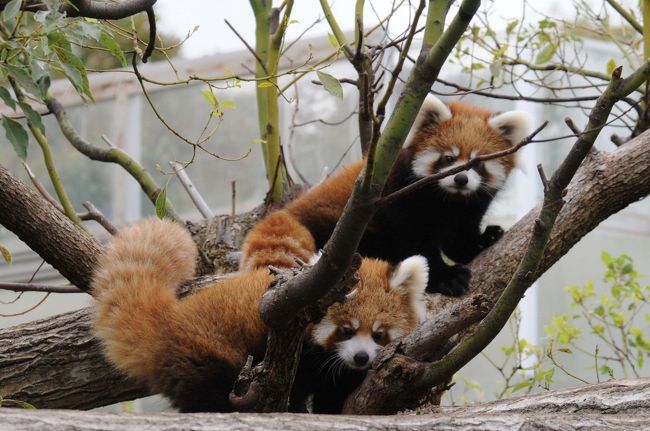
column 444, row 137
column 386, row 304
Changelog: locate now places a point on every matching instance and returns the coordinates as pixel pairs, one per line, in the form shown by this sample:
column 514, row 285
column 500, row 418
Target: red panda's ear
column 410, row 278
column 433, row 111
column 513, row 125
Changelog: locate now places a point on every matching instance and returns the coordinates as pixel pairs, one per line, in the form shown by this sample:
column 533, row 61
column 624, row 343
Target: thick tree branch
column 92, row 8
column 621, row 405
column 28, row 215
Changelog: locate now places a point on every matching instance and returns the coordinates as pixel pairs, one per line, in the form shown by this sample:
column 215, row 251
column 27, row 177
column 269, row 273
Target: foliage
column 606, row 329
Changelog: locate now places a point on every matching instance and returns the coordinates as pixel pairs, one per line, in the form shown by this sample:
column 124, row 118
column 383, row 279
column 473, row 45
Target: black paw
column 454, row 283
column 491, row 235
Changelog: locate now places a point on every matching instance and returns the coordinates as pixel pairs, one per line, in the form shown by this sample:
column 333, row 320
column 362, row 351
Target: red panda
column 192, row 349
column 442, row 217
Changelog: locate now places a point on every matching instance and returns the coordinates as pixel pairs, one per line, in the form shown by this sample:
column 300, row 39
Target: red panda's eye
column 379, row 336
column 347, row 332
column 450, row 159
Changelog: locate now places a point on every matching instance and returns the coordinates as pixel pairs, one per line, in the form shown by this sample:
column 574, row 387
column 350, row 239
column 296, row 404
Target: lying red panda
column 192, row 349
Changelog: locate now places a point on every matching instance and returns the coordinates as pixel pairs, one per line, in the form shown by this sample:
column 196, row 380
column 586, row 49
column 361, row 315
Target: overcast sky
column 213, row 36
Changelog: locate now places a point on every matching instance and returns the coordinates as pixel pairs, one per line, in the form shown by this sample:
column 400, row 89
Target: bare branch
column 28, row 287
column 193, row 193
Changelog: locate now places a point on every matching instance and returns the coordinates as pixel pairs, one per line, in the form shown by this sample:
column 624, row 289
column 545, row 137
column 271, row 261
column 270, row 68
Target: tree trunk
column 623, row 405
column 605, row 184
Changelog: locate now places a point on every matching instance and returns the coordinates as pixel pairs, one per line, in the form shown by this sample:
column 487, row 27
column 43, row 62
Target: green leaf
column 10, row 12
column 611, row 65
column 333, row 41
column 546, row 54
column 16, row 135
column 511, row 26
column 161, row 200
column 24, row 80
column 523, row 385
column 108, row 42
column 228, row 104
column 72, row 66
column 331, row 84
column 5, row 254
column 6, row 97
column 6, row 402
column 33, row 116
column 210, row 97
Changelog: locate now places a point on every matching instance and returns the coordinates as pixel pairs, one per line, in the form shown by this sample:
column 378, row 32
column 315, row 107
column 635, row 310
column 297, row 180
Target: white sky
column 213, row 36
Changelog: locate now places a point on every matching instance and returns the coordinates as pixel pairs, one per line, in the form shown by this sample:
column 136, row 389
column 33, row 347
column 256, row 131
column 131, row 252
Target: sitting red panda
column 192, row 349
column 444, row 216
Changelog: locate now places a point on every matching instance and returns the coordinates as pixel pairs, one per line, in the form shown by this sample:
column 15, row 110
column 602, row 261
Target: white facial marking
column 355, row 323
column 358, row 344
column 473, row 154
column 473, row 181
column 498, row 173
column 423, row 162
column 376, row 325
column 322, row 331
column 455, row 151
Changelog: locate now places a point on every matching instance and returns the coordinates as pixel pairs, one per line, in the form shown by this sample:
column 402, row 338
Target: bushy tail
column 279, row 240
column 135, row 288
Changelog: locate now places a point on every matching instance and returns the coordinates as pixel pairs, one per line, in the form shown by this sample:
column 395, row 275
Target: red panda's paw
column 492, row 234
column 452, row 282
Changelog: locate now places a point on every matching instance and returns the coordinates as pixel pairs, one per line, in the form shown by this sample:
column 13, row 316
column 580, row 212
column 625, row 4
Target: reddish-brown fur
column 192, row 349
column 430, row 220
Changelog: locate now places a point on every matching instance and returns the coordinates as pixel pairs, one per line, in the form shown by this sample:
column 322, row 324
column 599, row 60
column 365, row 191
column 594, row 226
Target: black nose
column 461, row 179
column 361, row 358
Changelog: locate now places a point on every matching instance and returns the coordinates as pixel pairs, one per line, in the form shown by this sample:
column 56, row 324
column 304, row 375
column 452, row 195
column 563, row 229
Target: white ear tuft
column 410, row 278
column 513, row 125
column 433, row 111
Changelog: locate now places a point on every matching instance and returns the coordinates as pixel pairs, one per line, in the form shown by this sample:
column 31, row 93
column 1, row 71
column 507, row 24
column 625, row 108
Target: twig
column 250, row 48
column 112, row 155
column 626, row 15
column 27, row 287
column 48, row 159
column 39, row 187
column 388, row 199
column 32, row 308
column 617, row 140
column 193, row 193
column 569, row 122
column 542, row 176
column 233, row 187
column 96, row 215
column 151, row 17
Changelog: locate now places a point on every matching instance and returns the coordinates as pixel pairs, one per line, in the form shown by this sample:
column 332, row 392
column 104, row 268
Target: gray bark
column 623, row 405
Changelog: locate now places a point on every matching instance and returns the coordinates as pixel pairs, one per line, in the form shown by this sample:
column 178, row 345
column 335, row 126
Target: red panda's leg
column 448, row 280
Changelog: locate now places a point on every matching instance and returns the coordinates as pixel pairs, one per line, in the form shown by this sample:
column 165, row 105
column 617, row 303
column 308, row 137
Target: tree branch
column 618, row 405
column 112, row 155
column 29, row 215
